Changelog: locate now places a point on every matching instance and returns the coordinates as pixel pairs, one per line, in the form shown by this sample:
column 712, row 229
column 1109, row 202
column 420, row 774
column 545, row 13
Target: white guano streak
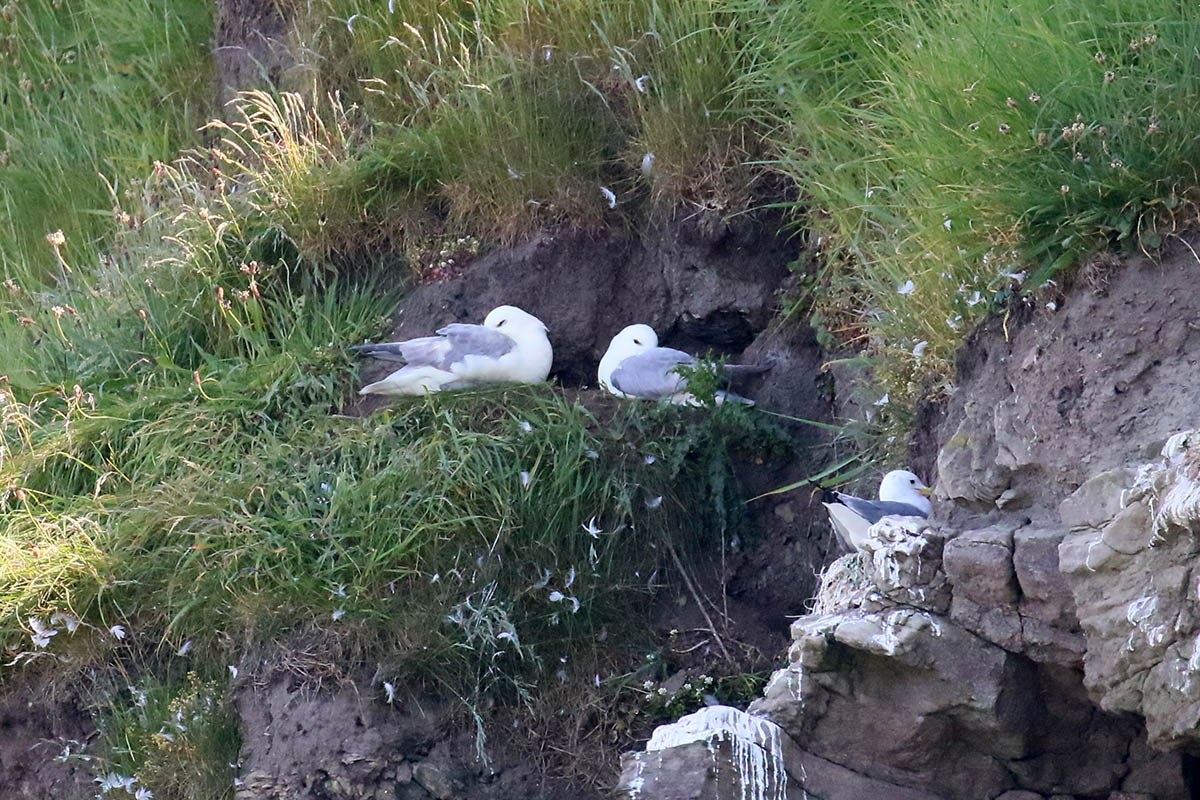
column 755, row 746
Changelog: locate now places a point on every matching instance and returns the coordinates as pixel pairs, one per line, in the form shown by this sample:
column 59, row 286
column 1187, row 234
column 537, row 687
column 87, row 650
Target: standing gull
column 901, row 494
column 509, row 347
column 635, row 366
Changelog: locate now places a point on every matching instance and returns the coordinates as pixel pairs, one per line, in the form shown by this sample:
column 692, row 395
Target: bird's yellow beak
column 925, row 490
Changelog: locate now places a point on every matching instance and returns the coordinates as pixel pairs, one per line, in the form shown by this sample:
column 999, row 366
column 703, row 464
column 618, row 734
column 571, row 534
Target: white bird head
column 902, row 486
column 515, row 323
column 632, row 339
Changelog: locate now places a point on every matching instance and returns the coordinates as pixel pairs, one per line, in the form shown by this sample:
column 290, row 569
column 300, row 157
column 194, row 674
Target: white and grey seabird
column 901, row 494
column 635, row 366
column 510, row 346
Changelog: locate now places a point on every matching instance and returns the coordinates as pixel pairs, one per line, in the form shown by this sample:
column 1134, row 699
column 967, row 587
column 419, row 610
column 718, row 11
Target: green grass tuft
column 976, row 149
column 505, row 116
column 90, row 88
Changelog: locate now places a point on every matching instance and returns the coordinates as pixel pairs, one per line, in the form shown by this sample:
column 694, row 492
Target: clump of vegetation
column 963, row 153
column 669, row 701
column 169, row 739
column 507, row 115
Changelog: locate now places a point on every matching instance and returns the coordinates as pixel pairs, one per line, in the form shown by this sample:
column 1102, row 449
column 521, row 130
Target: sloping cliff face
column 704, row 285
column 1037, row 639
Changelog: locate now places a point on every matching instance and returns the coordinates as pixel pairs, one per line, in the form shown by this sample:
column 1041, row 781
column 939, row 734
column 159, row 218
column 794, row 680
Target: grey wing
column 651, row 373
column 473, row 340
column 874, row 510
column 453, row 343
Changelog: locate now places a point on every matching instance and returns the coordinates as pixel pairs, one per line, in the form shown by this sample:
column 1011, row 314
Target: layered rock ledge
column 1014, row 661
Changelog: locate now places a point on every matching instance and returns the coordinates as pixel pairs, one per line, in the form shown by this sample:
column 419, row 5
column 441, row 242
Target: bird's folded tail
column 738, row 370
column 386, row 352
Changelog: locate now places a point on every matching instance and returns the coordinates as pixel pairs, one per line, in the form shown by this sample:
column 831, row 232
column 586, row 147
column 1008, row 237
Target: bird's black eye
column 913, row 481
column 637, row 341
column 500, row 324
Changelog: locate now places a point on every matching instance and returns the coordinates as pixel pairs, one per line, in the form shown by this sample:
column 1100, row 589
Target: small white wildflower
column 516, row 176
column 647, row 684
column 187, row 648
column 338, row 614
column 609, row 196
column 708, row 680
column 557, row 596
column 437, row 576
column 390, row 689
column 118, row 631
column 139, row 696
column 545, row 579
column 650, row 459
column 919, row 349
column 508, row 636
column 687, row 687
column 591, row 528
column 596, row 680
column 654, row 502
column 883, row 401
column 946, row 223
column 526, row 426
column 350, row 22
column 1053, row 306
column 526, row 479
column 955, row 323
column 1019, row 277
column 592, row 454
column 662, row 691
column 233, row 672
column 143, row 794
column 641, row 83
column 907, row 288
column 338, row 590
column 975, row 299
column 570, row 578
column 648, row 163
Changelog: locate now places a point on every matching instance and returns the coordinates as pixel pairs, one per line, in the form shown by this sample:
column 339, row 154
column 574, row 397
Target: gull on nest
column 635, row 366
column 510, row 346
column 901, row 494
